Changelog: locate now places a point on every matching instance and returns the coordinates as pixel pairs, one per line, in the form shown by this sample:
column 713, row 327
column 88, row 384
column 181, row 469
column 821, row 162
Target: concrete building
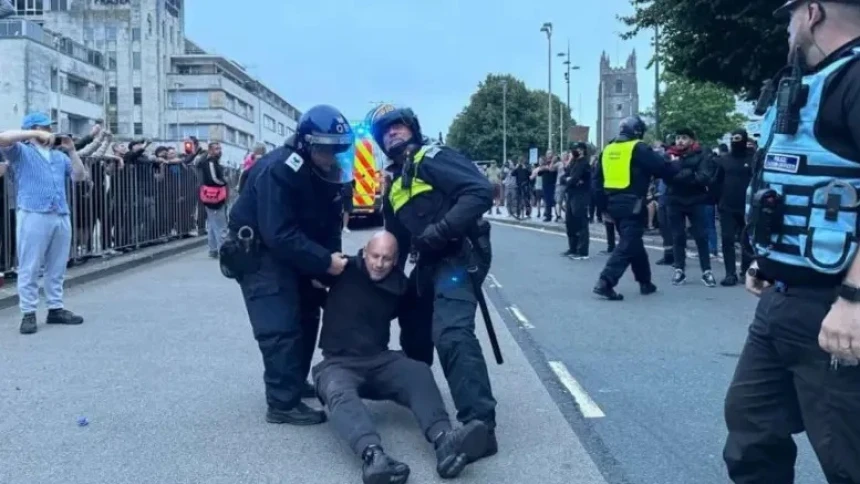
column 618, row 97
column 126, row 63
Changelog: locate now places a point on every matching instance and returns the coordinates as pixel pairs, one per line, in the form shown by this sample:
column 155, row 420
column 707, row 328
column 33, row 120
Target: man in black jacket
column 357, row 364
column 688, row 195
column 734, row 177
column 577, row 182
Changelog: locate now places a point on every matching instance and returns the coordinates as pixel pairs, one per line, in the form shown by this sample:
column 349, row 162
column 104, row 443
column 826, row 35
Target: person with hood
column 688, row 196
column 735, row 173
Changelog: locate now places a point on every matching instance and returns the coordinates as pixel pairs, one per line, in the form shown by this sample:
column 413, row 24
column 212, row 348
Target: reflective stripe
column 801, row 169
column 615, row 163
column 399, row 196
column 364, row 173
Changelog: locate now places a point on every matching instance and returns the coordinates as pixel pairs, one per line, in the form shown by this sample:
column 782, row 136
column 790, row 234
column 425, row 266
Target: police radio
column 790, row 98
column 766, row 211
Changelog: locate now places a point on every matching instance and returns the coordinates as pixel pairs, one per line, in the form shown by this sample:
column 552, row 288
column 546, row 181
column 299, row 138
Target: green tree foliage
column 704, row 107
column 735, row 43
column 478, row 130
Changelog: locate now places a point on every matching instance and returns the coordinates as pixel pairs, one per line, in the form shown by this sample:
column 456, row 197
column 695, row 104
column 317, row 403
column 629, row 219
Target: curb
column 98, row 270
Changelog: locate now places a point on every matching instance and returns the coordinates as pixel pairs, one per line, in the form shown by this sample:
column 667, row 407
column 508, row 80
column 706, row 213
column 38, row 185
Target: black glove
column 435, row 237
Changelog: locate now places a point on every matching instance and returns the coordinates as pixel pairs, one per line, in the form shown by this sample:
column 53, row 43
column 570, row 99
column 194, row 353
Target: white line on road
column 520, row 317
column 587, row 406
column 559, row 234
column 493, row 281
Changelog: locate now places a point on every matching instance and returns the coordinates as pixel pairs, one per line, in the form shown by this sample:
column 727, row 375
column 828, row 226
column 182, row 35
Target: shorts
column 497, row 191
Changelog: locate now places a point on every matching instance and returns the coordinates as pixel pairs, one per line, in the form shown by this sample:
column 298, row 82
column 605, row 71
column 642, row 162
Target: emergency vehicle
column 368, row 166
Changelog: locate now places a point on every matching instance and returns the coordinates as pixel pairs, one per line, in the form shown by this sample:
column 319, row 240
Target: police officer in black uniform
column 285, row 233
column 436, row 201
column 621, row 180
column 576, row 180
column 798, row 369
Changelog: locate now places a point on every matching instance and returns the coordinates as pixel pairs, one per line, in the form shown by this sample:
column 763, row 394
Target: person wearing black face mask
column 734, row 178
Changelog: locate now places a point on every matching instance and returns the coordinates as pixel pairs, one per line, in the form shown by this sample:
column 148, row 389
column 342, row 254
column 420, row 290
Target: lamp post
column 567, row 68
column 504, row 122
column 547, row 28
column 657, row 81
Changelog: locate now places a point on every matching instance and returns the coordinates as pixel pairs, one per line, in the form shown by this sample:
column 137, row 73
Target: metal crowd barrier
column 120, row 209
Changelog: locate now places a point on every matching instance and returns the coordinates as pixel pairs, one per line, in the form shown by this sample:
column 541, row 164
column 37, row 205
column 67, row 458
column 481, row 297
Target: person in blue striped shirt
column 43, row 228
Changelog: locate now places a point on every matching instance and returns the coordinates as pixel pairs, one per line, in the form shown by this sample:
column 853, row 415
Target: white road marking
column 493, row 281
column 520, row 317
column 587, row 406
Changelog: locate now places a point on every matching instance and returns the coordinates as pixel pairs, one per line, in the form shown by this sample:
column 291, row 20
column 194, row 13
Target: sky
column 429, row 55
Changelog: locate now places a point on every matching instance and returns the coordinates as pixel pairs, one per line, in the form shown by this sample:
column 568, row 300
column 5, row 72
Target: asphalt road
column 649, row 373
column 167, row 374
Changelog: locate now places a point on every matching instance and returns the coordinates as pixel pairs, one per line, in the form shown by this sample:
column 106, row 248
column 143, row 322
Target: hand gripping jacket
column 818, row 187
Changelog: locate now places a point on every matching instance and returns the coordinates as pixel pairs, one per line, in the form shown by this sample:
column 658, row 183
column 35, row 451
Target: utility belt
column 474, row 250
column 820, row 234
column 240, row 254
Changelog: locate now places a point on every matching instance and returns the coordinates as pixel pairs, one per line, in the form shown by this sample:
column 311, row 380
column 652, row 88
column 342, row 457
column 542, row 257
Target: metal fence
column 120, row 209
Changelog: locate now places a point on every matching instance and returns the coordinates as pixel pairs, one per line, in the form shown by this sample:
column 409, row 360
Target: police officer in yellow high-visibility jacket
column 621, row 181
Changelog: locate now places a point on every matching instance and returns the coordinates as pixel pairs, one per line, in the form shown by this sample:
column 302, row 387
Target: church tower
column 618, row 97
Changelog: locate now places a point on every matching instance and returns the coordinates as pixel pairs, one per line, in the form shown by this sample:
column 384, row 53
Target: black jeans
column 576, row 222
column 678, row 215
column 630, row 251
column 784, row 384
column 731, row 225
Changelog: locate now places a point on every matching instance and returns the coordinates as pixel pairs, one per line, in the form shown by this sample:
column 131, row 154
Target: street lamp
column 547, row 28
column 567, row 68
column 504, row 122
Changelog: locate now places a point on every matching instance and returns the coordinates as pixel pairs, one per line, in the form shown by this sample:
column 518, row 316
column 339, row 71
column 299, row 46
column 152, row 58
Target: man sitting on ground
column 357, row 364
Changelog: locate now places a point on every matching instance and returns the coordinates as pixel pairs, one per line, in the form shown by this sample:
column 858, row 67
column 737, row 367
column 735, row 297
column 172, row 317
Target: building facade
column 127, row 64
column 618, row 97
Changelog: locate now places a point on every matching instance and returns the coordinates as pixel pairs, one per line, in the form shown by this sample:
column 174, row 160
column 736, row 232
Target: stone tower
column 618, row 97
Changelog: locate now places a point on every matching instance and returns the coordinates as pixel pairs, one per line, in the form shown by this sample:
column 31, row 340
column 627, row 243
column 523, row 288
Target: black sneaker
column 603, row 290
column 28, row 324
column 729, row 281
column 679, row 277
column 647, row 288
column 708, row 279
column 379, row 468
column 491, row 449
column 456, row 448
column 665, row 261
column 568, row 253
column 301, row 414
column 63, row 316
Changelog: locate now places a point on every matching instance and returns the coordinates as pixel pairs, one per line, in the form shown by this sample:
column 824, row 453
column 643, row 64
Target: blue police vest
column 820, row 220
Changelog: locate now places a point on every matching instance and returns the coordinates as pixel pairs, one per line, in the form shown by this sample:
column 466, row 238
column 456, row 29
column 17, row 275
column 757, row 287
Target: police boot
column 647, row 288
column 491, row 449
column 308, row 391
column 378, row 468
column 729, row 281
column 301, row 414
column 604, row 290
column 456, row 448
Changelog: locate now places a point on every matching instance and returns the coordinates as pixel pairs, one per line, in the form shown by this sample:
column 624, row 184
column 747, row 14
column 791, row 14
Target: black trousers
column 731, row 225
column 784, row 384
column 441, row 313
column 284, row 310
column 611, row 229
column 576, row 222
column 342, row 382
column 630, row 250
column 678, row 215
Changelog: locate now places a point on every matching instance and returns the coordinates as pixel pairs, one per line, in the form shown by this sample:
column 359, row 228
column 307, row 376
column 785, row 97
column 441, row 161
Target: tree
column 706, row 108
column 734, row 43
column 478, row 130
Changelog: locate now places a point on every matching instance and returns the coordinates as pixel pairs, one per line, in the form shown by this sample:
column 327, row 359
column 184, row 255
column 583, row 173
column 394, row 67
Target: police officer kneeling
column 357, row 364
column 285, row 232
column 798, row 369
column 437, row 196
column 621, row 181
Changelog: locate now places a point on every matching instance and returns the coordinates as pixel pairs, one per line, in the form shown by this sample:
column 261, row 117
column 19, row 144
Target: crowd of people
column 705, row 203
column 65, row 200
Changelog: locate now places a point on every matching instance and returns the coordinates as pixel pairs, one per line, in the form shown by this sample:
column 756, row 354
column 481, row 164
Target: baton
column 485, row 313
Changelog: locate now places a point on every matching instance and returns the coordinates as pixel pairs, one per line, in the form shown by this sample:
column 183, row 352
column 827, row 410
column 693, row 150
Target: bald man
column 362, row 303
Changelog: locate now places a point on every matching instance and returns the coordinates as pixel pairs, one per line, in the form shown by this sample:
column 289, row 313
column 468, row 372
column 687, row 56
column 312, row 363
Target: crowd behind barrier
column 122, row 207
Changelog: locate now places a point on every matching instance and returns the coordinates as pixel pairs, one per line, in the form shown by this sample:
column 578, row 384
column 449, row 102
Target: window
column 149, row 24
column 138, row 129
column 30, row 7
column 135, row 35
column 135, row 61
column 110, row 33
column 269, row 122
column 111, row 61
column 619, row 86
column 55, row 80
column 112, row 96
column 199, row 131
column 281, row 129
column 619, row 107
column 189, row 99
column 172, row 35
column 113, row 126
column 138, row 96
column 59, row 5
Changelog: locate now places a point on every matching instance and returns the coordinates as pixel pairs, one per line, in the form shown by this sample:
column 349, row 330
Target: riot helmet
column 393, row 142
column 632, row 127
column 324, row 136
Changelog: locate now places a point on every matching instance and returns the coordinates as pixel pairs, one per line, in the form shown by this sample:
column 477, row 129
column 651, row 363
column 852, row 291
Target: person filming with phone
column 43, row 221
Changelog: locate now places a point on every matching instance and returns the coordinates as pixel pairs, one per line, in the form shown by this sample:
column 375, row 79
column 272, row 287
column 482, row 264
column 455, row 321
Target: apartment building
column 127, row 64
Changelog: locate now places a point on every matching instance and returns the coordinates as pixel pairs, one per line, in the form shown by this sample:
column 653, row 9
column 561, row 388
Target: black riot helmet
column 324, row 136
column 383, row 118
column 632, row 127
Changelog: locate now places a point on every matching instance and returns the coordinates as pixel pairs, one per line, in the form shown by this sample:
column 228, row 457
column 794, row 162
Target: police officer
column 285, row 232
column 798, row 369
column 621, row 179
column 437, row 198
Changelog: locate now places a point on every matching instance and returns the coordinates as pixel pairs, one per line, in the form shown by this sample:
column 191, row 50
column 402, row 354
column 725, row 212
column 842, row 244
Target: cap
column 36, row 120
column 788, row 6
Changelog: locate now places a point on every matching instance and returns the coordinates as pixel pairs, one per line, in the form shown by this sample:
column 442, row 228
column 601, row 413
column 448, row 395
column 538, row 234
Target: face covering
column 739, row 143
